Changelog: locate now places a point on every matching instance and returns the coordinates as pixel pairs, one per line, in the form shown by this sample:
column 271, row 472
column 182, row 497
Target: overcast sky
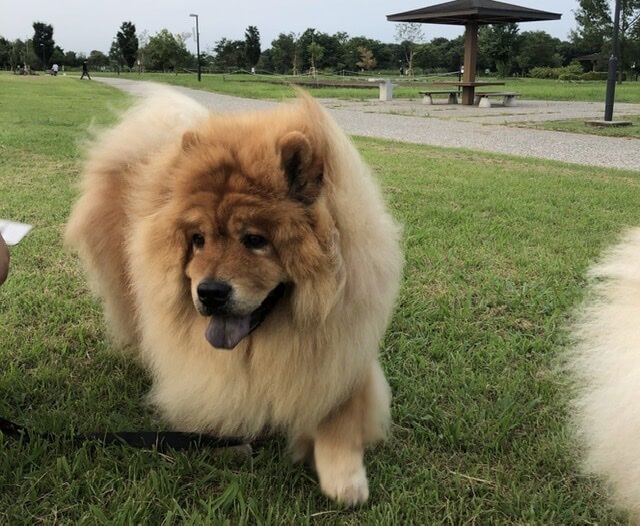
column 84, row 25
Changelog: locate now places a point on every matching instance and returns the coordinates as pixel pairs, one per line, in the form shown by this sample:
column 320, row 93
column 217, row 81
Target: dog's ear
column 302, row 169
column 189, row 140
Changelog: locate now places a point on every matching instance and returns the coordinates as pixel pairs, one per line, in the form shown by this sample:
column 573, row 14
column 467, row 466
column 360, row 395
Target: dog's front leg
column 341, row 438
column 339, row 456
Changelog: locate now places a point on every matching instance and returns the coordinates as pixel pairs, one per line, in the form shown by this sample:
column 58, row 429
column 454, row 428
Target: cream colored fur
column 146, row 129
column 313, row 372
column 606, row 364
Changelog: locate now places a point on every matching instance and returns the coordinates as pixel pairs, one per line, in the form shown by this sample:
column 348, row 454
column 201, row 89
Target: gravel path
column 458, row 126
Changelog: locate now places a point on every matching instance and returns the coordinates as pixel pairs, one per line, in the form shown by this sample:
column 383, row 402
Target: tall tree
column 305, row 40
column 43, row 42
column 71, row 59
column 128, row 43
column 166, row 51
column 594, row 25
column 595, row 28
column 629, row 35
column 351, row 55
column 367, row 60
column 115, row 54
column 98, row 59
column 252, row 45
column 57, row 57
column 409, row 35
column 500, row 42
column 22, row 54
column 441, row 54
column 229, row 54
column 143, row 41
column 284, row 53
column 538, row 49
column 5, row 53
column 316, row 52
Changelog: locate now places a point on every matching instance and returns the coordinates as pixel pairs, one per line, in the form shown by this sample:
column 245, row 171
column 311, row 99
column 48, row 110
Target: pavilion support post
column 470, row 61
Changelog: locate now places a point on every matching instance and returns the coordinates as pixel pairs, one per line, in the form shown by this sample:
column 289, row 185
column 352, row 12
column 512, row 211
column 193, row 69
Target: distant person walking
column 85, row 70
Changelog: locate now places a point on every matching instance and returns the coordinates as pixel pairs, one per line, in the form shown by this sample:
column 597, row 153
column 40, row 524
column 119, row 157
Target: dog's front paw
column 350, row 488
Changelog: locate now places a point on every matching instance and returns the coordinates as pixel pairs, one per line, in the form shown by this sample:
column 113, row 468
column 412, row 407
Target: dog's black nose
column 213, row 294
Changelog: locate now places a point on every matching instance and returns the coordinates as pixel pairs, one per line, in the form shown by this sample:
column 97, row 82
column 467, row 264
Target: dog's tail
column 606, row 366
column 97, row 226
column 145, row 127
column 143, row 131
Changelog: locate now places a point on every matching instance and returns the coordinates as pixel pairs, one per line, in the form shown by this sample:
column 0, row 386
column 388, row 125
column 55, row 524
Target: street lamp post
column 197, row 46
column 44, row 66
column 613, row 66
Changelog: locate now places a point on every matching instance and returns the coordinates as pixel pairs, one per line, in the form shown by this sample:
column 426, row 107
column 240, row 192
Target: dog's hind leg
column 341, row 438
column 96, row 230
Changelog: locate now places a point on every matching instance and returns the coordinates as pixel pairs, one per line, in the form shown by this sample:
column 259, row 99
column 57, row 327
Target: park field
column 271, row 87
column 496, row 252
column 578, row 126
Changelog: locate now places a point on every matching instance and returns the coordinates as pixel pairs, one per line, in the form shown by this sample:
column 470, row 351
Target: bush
column 571, row 72
column 595, row 75
column 541, row 73
column 568, row 77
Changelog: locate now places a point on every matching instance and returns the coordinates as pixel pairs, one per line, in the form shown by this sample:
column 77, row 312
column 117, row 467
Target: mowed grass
column 251, row 86
column 579, row 126
column 583, row 91
column 496, row 250
column 261, row 87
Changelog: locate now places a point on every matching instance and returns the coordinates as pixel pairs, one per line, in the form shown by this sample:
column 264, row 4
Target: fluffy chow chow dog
column 605, row 363
column 252, row 261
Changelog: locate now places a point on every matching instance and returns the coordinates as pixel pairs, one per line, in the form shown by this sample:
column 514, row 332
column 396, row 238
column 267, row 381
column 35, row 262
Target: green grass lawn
column 583, row 91
column 496, row 250
column 256, row 87
column 579, row 126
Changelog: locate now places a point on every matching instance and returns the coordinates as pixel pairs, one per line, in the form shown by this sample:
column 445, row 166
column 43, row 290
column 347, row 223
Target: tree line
column 41, row 52
column 503, row 49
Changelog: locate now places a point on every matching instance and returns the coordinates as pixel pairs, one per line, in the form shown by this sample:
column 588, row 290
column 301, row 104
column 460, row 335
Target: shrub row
column 571, row 72
column 595, row 75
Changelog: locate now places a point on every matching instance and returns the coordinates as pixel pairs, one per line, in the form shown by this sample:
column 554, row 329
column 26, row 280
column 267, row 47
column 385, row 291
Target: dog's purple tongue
column 225, row 332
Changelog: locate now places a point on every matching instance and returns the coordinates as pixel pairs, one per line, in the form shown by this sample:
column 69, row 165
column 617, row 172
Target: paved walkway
column 486, row 129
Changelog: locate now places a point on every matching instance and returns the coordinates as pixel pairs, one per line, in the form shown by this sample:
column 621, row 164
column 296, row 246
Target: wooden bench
column 427, row 96
column 481, row 98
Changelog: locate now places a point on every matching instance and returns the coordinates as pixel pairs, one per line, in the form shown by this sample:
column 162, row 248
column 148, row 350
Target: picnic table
column 469, row 88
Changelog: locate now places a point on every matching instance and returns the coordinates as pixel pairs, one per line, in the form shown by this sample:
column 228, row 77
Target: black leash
column 160, row 440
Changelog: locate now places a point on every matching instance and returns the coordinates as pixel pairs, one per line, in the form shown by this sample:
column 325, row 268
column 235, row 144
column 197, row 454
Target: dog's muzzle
column 226, row 329
column 213, row 295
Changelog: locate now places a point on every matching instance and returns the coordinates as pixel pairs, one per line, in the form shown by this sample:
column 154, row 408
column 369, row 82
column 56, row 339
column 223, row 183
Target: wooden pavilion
column 471, row 14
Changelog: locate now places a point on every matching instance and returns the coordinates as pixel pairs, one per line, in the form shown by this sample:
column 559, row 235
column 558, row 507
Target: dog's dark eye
column 197, row 240
column 254, row 241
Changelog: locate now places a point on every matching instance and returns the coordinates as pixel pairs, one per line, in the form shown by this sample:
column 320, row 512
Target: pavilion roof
column 461, row 12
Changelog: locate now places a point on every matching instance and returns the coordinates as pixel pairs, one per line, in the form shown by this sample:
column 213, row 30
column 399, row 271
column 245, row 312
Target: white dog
column 606, row 365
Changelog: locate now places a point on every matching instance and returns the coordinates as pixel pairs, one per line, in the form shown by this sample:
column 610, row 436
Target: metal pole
column 198, row 47
column 613, row 67
column 44, row 66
